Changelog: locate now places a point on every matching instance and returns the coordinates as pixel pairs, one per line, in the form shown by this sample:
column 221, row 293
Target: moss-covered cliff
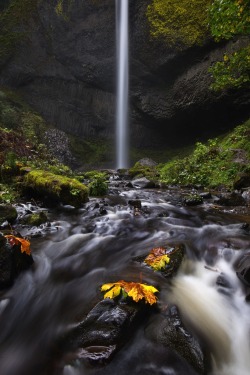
column 179, row 22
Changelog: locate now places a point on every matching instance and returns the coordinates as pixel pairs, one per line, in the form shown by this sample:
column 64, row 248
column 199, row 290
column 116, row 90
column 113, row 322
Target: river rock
column 246, row 195
column 147, row 162
column 192, row 200
column 142, row 183
column 242, row 268
column 231, row 199
column 12, row 261
column 242, row 181
column 168, row 330
column 104, row 330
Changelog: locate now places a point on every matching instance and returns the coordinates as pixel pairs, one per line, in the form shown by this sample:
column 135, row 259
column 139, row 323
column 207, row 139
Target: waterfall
column 122, row 84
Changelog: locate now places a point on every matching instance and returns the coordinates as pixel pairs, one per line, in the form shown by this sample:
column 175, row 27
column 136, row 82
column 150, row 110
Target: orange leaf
column 25, row 244
column 157, row 258
column 136, row 291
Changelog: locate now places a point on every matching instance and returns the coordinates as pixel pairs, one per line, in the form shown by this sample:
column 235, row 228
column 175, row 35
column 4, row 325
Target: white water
column 122, row 85
column 222, row 320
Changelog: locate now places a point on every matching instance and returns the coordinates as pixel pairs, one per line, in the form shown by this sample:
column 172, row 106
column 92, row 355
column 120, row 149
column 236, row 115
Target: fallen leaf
column 136, row 291
column 157, row 258
column 25, row 244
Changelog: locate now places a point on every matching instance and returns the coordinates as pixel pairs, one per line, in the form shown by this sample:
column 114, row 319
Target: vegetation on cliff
column 179, row 22
column 186, row 23
column 228, row 19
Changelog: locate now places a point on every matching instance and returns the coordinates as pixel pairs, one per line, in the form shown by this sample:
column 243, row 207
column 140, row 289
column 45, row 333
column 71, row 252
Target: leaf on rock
column 157, row 258
column 136, row 291
column 25, row 244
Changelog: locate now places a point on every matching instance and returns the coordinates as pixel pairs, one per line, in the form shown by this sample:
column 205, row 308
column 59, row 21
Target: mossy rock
column 35, row 219
column 55, row 188
column 7, row 213
column 140, row 170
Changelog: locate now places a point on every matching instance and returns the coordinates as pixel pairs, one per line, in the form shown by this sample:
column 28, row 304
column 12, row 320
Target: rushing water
column 89, row 247
column 122, row 85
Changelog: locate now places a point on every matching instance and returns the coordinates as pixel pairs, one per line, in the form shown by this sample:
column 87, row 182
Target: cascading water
column 84, row 248
column 122, row 84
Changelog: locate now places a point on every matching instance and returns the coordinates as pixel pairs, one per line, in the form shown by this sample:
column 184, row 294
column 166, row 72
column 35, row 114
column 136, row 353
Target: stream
column 82, row 249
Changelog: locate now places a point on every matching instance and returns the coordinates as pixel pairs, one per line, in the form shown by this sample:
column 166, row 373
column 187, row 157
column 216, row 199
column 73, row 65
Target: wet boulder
column 167, row 329
column 147, row 162
column 242, row 268
column 35, row 218
column 246, row 196
column 13, row 260
column 143, row 183
column 104, row 330
column 175, row 254
column 242, row 181
column 193, row 200
column 231, row 199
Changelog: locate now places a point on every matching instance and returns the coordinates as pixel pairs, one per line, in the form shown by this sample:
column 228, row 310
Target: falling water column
column 122, row 84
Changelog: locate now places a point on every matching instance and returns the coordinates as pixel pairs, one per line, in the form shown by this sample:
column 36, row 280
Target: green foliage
column 212, row 164
column 233, row 71
column 98, row 185
column 58, row 188
column 179, row 22
column 229, row 18
column 8, row 193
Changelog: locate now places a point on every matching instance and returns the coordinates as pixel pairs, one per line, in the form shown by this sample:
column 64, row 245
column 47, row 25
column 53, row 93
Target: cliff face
column 65, row 67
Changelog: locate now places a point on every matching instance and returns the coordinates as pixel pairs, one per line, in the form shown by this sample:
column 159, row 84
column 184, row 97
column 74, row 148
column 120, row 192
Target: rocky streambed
column 54, row 319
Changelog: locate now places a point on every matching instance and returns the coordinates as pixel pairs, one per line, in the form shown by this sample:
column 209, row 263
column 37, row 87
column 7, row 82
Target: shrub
column 98, row 185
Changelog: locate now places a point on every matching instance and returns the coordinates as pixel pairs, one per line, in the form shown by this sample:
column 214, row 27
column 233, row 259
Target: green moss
column 35, row 219
column 58, row 188
column 213, row 164
column 179, row 22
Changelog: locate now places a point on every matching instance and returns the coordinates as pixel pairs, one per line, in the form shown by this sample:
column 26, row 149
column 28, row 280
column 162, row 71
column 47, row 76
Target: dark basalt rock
column 170, row 332
column 242, row 268
column 242, row 181
column 231, row 199
column 107, row 326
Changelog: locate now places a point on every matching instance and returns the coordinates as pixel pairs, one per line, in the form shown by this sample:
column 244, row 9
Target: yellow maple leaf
column 157, row 258
column 136, row 291
column 25, row 244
